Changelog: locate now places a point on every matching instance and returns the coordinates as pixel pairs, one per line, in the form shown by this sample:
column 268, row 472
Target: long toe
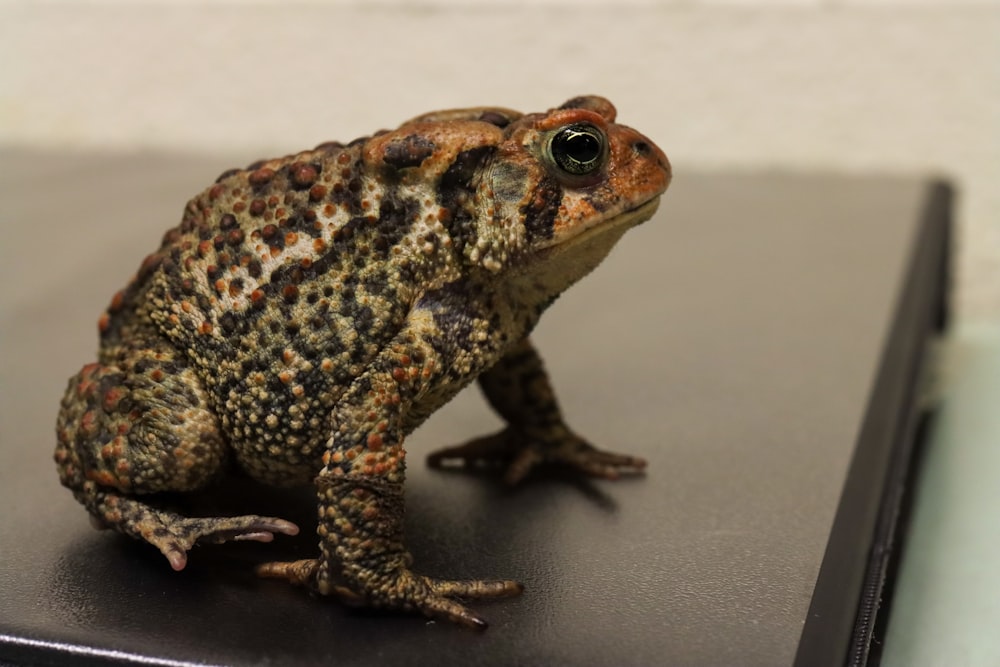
column 298, row 572
column 256, row 528
column 174, row 536
column 444, row 608
column 490, row 450
column 476, row 589
column 609, row 465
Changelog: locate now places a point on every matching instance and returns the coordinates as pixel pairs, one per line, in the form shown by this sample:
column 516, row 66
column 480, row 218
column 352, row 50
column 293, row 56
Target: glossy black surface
column 734, row 340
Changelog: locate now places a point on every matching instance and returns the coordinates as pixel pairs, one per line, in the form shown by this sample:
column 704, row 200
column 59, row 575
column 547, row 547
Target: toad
column 310, row 311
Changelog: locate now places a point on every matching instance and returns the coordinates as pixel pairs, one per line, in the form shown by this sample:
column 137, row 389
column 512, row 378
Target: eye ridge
column 578, row 149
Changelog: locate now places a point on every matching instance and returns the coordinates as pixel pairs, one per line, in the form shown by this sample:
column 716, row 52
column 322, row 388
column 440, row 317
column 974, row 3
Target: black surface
column 851, row 583
column 738, row 340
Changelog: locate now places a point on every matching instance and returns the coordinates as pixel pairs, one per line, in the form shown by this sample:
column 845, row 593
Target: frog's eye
column 578, row 149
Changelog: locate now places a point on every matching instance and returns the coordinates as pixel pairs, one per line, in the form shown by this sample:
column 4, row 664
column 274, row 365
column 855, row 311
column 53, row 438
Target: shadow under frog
column 115, row 601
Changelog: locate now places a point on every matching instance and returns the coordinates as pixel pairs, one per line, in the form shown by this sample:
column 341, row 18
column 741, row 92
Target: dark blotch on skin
column 410, row 151
column 599, row 106
column 396, row 217
column 228, row 323
column 348, row 196
column 459, row 175
column 598, row 201
column 226, row 174
column 457, row 188
column 541, row 210
column 495, row 118
column 576, row 103
column 254, row 268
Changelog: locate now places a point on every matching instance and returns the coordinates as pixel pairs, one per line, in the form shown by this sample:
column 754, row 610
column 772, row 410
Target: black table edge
column 848, row 596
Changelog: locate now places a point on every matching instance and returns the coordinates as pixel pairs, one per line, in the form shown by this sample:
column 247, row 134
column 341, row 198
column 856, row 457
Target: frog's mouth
column 632, row 217
column 614, row 227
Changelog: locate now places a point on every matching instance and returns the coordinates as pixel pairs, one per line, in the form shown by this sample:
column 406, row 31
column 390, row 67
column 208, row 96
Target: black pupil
column 581, row 145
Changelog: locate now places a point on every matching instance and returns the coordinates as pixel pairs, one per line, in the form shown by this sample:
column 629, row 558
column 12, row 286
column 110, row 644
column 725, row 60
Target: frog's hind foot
column 174, row 535
column 142, row 427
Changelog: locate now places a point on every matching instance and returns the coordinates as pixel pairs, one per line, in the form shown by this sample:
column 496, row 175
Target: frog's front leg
column 363, row 559
column 519, row 390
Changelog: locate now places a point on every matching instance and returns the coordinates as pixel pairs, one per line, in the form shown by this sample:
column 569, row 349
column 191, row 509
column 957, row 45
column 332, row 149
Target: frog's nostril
column 642, row 148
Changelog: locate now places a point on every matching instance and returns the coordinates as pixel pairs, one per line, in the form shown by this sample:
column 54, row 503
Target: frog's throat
column 553, row 269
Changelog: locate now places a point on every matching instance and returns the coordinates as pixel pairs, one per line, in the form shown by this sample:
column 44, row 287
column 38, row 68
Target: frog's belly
column 281, row 464
column 278, row 434
column 278, row 431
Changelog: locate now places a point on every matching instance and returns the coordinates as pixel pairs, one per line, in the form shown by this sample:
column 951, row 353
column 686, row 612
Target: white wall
column 842, row 85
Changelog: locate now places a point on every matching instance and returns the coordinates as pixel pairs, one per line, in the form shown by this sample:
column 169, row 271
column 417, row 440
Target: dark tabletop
column 732, row 340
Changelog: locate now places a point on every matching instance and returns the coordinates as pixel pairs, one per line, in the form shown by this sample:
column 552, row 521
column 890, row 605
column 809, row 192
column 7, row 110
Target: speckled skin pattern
column 310, row 311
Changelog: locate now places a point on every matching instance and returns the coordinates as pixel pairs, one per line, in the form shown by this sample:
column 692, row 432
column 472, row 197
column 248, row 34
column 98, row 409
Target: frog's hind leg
column 142, row 425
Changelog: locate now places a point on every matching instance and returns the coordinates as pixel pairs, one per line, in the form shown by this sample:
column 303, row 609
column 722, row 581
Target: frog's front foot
column 522, row 449
column 398, row 588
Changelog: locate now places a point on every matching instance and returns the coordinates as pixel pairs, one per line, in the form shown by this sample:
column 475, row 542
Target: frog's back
column 283, row 280
column 292, row 239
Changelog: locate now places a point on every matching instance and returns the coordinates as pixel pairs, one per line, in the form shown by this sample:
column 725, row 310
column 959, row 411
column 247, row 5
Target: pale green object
column 946, row 610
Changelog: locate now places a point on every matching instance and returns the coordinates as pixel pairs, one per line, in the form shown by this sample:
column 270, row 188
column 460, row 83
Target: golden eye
column 578, row 149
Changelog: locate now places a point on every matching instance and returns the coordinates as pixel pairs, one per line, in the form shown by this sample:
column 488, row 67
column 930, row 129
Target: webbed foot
column 399, row 589
column 174, row 535
column 522, row 450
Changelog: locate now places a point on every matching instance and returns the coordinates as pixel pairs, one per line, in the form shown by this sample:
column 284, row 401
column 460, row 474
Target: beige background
column 817, row 85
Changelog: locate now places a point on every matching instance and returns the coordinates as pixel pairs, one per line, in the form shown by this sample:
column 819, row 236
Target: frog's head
column 572, row 181
column 518, row 191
